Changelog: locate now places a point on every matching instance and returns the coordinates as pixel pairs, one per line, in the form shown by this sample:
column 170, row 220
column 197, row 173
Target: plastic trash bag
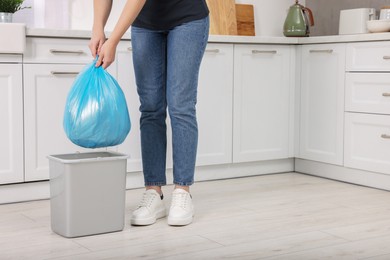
column 96, row 113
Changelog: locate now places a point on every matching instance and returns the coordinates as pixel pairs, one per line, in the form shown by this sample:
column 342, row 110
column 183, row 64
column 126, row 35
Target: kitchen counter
column 60, row 33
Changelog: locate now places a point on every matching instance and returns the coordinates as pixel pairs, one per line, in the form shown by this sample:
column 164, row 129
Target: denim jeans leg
column 149, row 59
column 185, row 48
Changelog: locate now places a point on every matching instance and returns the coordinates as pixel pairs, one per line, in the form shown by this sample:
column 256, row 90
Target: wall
column 78, row 14
column 64, row 14
column 327, row 12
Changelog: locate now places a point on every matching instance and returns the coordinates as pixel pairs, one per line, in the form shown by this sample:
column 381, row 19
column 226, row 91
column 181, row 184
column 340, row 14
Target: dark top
column 166, row 14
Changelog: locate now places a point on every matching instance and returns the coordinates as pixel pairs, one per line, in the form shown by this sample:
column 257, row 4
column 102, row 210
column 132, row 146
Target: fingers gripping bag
column 96, row 113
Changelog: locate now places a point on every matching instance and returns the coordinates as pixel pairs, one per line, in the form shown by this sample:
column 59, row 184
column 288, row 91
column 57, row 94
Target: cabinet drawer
column 50, row 50
column 368, row 92
column 367, row 142
column 373, row 56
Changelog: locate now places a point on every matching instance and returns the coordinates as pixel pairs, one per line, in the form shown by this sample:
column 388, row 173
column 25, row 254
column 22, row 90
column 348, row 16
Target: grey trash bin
column 87, row 193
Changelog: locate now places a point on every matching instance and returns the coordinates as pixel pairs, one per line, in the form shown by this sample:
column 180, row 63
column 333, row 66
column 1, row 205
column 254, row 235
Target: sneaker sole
column 180, row 221
column 150, row 220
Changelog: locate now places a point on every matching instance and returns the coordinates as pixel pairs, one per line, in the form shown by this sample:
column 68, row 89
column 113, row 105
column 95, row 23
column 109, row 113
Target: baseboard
column 360, row 177
column 20, row 192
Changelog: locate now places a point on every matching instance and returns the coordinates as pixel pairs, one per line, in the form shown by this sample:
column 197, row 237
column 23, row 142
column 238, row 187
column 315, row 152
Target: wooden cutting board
column 222, row 17
column 245, row 20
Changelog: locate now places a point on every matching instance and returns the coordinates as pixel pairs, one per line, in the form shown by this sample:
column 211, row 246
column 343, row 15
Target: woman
column 168, row 39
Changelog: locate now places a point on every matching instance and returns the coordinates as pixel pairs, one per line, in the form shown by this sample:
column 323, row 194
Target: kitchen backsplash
column 327, row 12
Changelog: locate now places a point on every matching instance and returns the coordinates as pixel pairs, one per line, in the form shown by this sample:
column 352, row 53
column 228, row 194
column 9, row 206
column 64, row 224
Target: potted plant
column 8, row 8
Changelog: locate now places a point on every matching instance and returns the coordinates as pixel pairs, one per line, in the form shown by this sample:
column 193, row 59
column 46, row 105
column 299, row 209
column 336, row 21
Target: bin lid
column 88, row 157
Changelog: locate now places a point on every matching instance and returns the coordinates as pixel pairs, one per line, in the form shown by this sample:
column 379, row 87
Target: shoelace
column 180, row 200
column 147, row 200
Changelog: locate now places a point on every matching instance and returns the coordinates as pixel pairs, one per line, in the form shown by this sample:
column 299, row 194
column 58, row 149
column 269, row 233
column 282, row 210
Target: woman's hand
column 97, row 40
column 106, row 54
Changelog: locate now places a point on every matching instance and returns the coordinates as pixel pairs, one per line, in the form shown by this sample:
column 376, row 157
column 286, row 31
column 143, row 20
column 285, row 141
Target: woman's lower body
column 166, row 65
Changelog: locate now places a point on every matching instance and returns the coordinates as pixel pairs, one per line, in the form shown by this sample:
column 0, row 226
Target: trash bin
column 87, row 193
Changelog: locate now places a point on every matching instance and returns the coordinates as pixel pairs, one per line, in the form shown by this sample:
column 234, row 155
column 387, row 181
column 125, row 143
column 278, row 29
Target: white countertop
column 37, row 32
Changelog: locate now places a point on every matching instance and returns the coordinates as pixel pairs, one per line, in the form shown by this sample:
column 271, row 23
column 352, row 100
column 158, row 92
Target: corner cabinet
column 262, row 88
column 322, row 103
column 11, row 118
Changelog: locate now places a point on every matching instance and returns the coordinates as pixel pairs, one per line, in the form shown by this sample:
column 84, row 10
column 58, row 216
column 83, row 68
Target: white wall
column 78, row 14
column 81, row 14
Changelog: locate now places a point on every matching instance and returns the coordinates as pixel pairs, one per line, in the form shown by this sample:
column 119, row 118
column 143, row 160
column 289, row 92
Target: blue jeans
column 166, row 65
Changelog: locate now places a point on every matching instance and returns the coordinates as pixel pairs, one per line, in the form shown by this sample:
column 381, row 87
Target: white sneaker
column 149, row 209
column 181, row 212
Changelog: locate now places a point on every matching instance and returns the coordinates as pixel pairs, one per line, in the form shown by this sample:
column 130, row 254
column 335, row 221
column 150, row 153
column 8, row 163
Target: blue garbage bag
column 96, row 113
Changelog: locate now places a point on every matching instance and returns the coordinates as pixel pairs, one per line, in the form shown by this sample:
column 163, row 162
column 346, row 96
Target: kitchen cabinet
column 11, row 118
column 322, row 103
column 262, row 88
column 214, row 107
column 372, row 56
column 46, row 88
column 367, row 142
column 367, row 117
column 126, row 79
column 367, row 92
column 50, row 67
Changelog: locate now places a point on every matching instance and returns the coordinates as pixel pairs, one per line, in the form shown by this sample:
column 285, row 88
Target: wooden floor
column 281, row 216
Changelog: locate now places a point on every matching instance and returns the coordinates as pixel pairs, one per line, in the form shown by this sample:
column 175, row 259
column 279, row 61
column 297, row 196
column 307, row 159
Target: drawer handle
column 386, row 94
column 66, row 52
column 386, row 57
column 212, row 50
column 263, row 52
column 321, row 51
column 130, row 49
column 58, row 73
column 385, row 136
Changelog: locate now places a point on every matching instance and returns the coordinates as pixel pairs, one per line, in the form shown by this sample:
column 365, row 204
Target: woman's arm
column 101, row 11
column 129, row 13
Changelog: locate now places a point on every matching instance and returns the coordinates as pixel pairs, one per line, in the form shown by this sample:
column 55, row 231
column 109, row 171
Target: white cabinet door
column 215, row 105
column 126, row 79
column 11, row 118
column 262, row 88
column 45, row 91
column 322, row 103
column 367, row 142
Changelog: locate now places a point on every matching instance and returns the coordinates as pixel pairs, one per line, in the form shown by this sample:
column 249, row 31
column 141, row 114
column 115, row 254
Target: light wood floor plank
column 279, row 216
column 353, row 250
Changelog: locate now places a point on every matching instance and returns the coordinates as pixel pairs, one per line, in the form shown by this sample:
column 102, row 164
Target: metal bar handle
column 58, row 73
column 386, row 57
column 385, row 136
column 321, row 51
column 66, row 52
column 386, row 94
column 212, row 50
column 264, row 52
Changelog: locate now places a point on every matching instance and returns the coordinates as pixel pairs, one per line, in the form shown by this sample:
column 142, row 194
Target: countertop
column 54, row 33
